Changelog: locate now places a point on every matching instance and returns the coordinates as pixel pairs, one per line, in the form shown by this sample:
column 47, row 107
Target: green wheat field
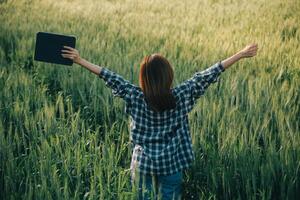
column 64, row 136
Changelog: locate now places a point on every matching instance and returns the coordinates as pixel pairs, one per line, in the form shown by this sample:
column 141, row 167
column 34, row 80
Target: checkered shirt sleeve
column 196, row 86
column 120, row 87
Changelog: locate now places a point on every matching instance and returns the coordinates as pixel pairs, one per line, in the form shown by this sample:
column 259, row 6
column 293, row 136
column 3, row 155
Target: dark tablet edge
column 73, row 36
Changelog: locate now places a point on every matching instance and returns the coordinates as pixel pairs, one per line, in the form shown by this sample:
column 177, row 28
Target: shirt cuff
column 103, row 72
column 221, row 67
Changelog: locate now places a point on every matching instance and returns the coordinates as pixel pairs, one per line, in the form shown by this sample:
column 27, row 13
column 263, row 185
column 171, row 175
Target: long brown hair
column 156, row 77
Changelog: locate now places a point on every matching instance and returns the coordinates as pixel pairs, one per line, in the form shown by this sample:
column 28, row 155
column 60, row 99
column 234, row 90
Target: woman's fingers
column 252, row 49
column 67, row 47
column 65, row 55
column 252, row 46
column 64, row 50
column 74, row 51
column 71, row 56
column 70, row 53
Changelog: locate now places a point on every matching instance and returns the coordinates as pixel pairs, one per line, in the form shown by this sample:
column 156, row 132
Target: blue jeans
column 165, row 187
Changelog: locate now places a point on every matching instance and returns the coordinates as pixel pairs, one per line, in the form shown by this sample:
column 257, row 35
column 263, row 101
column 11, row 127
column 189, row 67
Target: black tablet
column 48, row 47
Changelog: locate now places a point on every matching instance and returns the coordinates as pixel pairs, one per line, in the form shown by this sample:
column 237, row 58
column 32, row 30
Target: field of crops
column 64, row 136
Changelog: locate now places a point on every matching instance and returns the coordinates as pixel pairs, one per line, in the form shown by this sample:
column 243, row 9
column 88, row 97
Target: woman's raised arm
column 120, row 86
column 73, row 54
column 248, row 51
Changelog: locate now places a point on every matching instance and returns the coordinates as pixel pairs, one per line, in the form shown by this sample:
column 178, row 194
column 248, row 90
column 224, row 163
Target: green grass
column 63, row 135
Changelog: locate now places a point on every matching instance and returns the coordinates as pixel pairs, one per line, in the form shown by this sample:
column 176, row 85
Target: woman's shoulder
column 179, row 92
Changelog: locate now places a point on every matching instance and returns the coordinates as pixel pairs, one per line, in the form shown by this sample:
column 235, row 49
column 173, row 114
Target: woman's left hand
column 71, row 53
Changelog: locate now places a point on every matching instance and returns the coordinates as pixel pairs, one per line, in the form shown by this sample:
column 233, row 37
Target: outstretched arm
column 73, row 54
column 194, row 87
column 120, row 86
column 248, row 51
column 90, row 66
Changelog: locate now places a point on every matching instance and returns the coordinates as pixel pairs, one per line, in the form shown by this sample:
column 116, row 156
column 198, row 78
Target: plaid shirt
column 162, row 143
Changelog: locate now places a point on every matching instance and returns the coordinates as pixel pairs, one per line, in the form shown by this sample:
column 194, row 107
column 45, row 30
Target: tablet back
column 49, row 45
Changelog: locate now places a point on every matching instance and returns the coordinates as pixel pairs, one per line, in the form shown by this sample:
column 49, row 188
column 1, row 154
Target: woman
column 159, row 118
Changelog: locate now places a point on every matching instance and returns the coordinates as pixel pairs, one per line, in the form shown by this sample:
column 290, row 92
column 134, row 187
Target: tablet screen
column 49, row 45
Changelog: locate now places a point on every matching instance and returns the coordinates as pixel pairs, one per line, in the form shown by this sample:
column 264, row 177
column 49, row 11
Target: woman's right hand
column 71, row 53
column 249, row 51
